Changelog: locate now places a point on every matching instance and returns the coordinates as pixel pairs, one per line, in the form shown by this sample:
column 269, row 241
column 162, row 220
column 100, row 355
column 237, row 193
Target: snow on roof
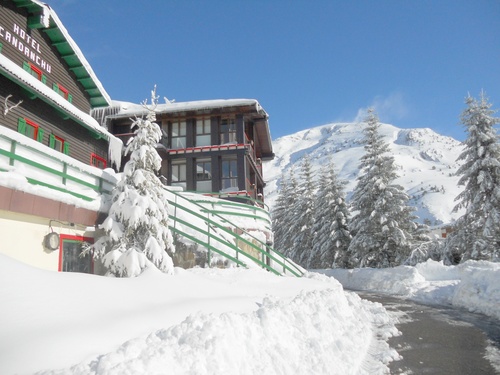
column 76, row 49
column 127, row 109
column 50, row 96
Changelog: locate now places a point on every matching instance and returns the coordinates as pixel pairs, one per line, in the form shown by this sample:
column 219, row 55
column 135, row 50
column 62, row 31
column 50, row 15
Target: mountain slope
column 426, row 163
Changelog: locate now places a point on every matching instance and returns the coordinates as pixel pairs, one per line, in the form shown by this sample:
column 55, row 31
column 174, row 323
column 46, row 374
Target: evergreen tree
column 282, row 214
column 137, row 234
column 477, row 232
column 301, row 226
column 382, row 226
column 279, row 216
column 332, row 236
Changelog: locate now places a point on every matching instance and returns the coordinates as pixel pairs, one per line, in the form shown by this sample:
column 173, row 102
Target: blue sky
column 307, row 62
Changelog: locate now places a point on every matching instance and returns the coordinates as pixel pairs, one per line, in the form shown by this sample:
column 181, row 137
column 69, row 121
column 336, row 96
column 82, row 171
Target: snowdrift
column 473, row 285
column 198, row 321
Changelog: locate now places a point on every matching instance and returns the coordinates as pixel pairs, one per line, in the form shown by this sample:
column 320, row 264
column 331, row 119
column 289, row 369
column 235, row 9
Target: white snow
column 224, row 321
column 15, row 176
column 128, row 109
column 473, row 285
column 198, row 321
column 426, row 163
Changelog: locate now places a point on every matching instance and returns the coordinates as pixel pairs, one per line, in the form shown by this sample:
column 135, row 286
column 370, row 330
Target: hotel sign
column 25, row 44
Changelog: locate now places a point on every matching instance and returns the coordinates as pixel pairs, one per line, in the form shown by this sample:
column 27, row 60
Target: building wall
column 21, row 45
column 248, row 176
column 22, row 238
column 37, row 49
column 81, row 143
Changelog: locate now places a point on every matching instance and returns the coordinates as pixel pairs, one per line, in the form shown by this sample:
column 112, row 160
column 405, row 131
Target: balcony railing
column 41, row 165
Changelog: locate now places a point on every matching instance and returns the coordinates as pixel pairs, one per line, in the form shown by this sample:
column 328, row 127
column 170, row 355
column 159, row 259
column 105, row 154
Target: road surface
column 441, row 340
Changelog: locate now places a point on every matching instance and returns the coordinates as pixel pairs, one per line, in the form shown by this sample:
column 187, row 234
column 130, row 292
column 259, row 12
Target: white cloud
column 389, row 109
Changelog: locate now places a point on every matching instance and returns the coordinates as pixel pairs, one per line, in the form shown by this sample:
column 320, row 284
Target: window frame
column 63, row 91
column 180, row 134
column 31, row 68
column 204, row 179
column 227, row 131
column 73, row 238
column 233, row 178
column 22, row 127
column 177, row 164
column 94, row 157
column 64, row 145
column 203, row 138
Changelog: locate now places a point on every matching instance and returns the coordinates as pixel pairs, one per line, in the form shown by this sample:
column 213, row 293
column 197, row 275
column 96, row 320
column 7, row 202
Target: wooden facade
column 47, row 136
column 25, row 42
column 212, row 147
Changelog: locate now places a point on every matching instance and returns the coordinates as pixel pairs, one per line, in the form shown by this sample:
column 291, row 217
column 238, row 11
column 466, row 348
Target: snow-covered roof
column 16, row 73
column 68, row 49
column 127, row 109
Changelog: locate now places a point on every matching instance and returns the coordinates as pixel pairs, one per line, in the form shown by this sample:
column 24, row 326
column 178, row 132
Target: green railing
column 278, row 263
column 221, row 203
column 57, row 174
column 236, row 195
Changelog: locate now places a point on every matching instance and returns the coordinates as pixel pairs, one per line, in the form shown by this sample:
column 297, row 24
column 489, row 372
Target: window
column 70, row 254
column 59, row 144
column 61, row 90
column 179, row 134
column 34, row 71
column 97, row 161
column 229, row 174
column 203, row 130
column 227, row 131
column 29, row 129
column 203, row 175
column 179, row 173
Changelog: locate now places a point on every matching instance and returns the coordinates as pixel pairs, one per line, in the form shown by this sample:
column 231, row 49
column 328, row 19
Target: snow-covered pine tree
column 332, row 236
column 282, row 214
column 382, row 224
column 477, row 232
column 137, row 234
column 279, row 216
column 300, row 230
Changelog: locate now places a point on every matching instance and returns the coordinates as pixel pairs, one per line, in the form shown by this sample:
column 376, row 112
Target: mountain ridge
column 426, row 163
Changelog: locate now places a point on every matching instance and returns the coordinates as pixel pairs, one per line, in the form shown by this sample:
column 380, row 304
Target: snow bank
column 472, row 285
column 317, row 332
column 199, row 321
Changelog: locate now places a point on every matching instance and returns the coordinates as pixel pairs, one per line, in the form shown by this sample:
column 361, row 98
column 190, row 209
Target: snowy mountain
column 426, row 162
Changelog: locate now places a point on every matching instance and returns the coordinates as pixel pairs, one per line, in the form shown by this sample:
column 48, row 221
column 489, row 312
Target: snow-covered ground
column 219, row 321
column 473, row 285
column 199, row 321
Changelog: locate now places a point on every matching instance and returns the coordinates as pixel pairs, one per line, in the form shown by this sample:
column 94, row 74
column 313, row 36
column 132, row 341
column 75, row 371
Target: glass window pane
column 30, row 131
column 72, row 259
column 203, row 140
column 204, row 186
column 178, row 172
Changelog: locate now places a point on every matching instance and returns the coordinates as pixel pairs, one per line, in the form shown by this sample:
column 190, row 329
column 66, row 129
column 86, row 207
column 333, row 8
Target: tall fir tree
column 301, row 230
column 137, row 234
column 279, row 216
column 383, row 224
column 332, row 236
column 282, row 213
column 477, row 232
